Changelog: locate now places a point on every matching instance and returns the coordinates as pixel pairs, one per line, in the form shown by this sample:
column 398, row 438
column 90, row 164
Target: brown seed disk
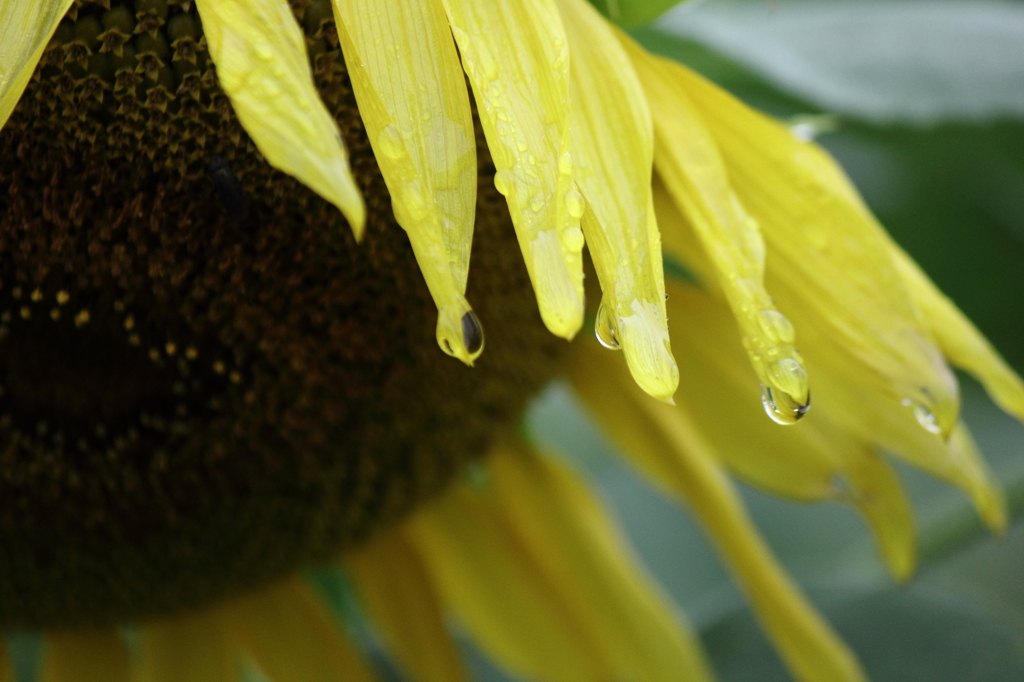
column 193, row 402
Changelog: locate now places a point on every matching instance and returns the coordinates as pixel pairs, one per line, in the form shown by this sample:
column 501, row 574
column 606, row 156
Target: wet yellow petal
column 561, row 524
column 191, row 647
column 517, row 60
column 405, row 607
column 823, row 247
column 412, row 98
column 665, row 442
column 821, row 460
column 260, row 54
column 960, row 340
column 292, row 638
column 85, row 657
column 613, row 149
column 25, row 30
column 851, row 392
column 694, row 174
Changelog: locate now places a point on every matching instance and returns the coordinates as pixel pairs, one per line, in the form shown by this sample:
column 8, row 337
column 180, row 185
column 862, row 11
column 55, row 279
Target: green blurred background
column 922, row 101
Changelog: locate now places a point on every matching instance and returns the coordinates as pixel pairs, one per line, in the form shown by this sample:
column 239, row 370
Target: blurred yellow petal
column 412, row 98
column 694, row 174
column 405, row 608
column 960, row 340
column 499, row 593
column 561, row 523
column 193, row 647
column 260, row 54
column 517, row 59
column 98, row 656
column 823, row 247
column 613, row 149
column 292, row 638
column 821, row 460
column 25, row 30
column 665, row 442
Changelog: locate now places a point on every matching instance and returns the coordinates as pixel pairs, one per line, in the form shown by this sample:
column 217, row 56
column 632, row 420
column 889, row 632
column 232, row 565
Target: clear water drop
column 605, row 328
column 572, row 239
column 565, row 163
column 472, row 334
column 537, row 202
column 503, row 181
column 925, row 417
column 574, row 204
column 781, row 408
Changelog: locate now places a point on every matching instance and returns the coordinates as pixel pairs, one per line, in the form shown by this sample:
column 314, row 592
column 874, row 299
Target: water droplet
column 503, row 181
column 472, row 334
column 789, row 376
column 565, row 163
column 604, row 328
column 537, row 202
column 925, row 417
column 572, row 239
column 390, row 142
column 574, row 204
column 781, row 407
column 776, row 326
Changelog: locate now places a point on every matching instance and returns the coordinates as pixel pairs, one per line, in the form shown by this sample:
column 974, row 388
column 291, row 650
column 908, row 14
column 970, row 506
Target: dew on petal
column 781, row 407
column 605, row 328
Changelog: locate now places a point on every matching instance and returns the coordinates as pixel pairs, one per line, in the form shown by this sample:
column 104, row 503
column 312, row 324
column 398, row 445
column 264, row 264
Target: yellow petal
column 412, row 98
column 665, row 442
column 823, row 247
column 856, row 396
column 405, row 608
column 517, row 60
column 960, row 340
column 693, row 172
column 290, row 636
column 563, row 526
column 98, row 656
column 260, row 54
column 192, row 647
column 499, row 593
column 26, row 29
column 613, row 149
column 821, row 460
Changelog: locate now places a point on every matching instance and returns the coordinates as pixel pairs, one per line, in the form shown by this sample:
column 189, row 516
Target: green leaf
column 881, row 61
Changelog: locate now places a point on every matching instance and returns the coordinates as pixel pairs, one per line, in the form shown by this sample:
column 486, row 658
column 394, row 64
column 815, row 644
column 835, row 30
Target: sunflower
column 218, row 373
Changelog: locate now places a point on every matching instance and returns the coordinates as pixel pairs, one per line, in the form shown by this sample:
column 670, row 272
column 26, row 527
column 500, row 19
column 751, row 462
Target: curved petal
column 666, row 444
column 517, row 60
column 689, row 163
column 613, row 149
column 403, row 604
column 820, row 460
column 26, row 29
column 823, row 247
column 561, row 523
column 412, row 98
column 260, row 54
